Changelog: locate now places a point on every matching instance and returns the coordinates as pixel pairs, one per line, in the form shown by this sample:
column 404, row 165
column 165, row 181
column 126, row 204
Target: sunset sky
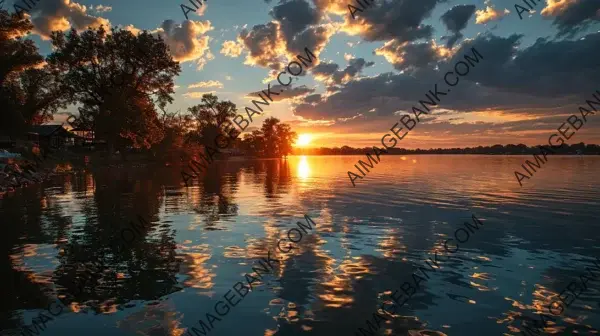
column 535, row 73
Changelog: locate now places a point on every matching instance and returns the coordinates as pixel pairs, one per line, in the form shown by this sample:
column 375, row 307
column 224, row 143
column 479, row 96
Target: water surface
column 369, row 240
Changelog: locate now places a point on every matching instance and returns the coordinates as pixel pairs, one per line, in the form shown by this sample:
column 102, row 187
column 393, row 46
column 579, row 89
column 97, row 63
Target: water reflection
column 369, row 238
column 303, row 168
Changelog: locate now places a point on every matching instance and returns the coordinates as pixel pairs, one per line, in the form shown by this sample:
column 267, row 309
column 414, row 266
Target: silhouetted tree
column 285, row 139
column 29, row 93
column 274, row 139
column 209, row 118
column 114, row 77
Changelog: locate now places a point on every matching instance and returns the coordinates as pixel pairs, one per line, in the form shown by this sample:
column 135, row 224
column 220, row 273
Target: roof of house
column 47, row 130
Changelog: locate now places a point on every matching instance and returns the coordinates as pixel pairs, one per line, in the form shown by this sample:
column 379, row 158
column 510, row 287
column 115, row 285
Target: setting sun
column 303, row 140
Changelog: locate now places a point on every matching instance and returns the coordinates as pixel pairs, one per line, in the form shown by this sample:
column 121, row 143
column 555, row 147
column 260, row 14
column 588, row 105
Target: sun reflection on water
column 303, row 168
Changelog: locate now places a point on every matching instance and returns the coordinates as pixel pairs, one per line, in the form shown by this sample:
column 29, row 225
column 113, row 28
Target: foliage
column 274, row 139
column 114, row 77
column 29, row 93
column 208, row 118
column 117, row 80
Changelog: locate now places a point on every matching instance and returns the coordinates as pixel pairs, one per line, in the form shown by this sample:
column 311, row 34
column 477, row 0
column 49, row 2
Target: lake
column 367, row 242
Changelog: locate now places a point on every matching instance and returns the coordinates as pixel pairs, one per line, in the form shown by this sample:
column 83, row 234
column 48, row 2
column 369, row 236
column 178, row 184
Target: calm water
column 369, row 239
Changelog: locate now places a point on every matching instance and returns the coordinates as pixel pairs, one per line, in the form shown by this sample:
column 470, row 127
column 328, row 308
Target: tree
column 286, row 138
column 16, row 54
column 115, row 78
column 274, row 139
column 175, row 128
column 210, row 117
column 37, row 95
column 29, row 93
column 269, row 134
column 255, row 142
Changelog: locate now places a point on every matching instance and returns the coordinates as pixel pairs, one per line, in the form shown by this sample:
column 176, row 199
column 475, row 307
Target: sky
column 372, row 68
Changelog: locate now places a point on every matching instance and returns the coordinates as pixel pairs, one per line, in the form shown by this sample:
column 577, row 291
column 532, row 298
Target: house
column 83, row 137
column 47, row 136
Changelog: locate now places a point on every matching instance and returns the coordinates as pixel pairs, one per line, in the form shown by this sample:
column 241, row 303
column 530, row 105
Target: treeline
column 118, row 81
column 580, row 148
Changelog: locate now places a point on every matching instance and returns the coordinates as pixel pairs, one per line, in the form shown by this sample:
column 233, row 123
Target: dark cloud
column 263, row 44
column 329, row 72
column 400, row 20
column 51, row 15
column 455, row 20
column 457, row 17
column 285, row 92
column 295, row 28
column 295, row 16
column 410, row 56
column 188, row 40
column 546, row 75
column 571, row 17
column 325, row 69
column 545, row 69
column 314, row 38
column 314, row 98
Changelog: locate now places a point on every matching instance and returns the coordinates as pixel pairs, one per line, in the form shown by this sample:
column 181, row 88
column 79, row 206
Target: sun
column 303, row 140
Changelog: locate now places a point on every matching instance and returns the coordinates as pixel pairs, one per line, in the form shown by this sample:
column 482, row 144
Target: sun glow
column 303, row 140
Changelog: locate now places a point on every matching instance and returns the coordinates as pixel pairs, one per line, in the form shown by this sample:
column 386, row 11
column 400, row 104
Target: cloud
column 264, row 44
column 187, row 40
column 132, row 29
column 325, row 70
column 457, row 17
column 399, row 20
column 197, row 95
column 545, row 69
column 232, row 48
column 294, row 28
column 285, row 93
column 314, row 38
column 411, row 56
column 210, row 83
column 483, row 16
column 572, row 16
column 314, row 98
column 338, row 7
column 62, row 15
column 329, row 73
column 101, row 8
column 267, row 46
column 455, row 20
column 542, row 76
column 294, row 17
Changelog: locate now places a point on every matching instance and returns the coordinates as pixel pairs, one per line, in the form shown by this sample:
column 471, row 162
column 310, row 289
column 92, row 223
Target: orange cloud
column 187, row 40
column 51, row 15
column 556, row 7
column 210, row 83
column 232, row 48
column 489, row 14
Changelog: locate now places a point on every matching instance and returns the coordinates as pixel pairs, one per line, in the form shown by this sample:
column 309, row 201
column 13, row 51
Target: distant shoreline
column 520, row 149
column 355, row 154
